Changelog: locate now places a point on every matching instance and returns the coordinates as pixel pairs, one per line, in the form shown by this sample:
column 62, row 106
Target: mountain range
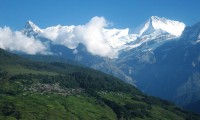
column 161, row 57
column 118, row 39
column 120, row 42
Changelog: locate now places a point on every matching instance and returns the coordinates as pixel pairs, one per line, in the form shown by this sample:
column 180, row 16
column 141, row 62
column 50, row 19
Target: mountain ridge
column 122, row 42
column 118, row 39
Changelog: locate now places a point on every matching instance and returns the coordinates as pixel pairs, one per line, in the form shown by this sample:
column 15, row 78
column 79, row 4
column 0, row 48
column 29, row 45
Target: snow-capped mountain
column 31, row 29
column 171, row 71
column 155, row 29
column 119, row 42
column 75, row 43
column 153, row 33
column 51, row 33
column 156, row 23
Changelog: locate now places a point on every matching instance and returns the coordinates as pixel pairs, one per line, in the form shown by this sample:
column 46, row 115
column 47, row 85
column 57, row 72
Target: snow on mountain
column 31, row 26
column 53, row 32
column 155, row 29
column 115, row 38
column 119, row 37
column 156, row 23
column 31, row 29
column 155, row 32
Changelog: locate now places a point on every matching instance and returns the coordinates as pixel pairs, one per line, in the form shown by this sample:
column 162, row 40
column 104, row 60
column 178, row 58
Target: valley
column 159, row 53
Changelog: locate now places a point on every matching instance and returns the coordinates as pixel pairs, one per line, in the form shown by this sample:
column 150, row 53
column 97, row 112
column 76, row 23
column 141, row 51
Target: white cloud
column 91, row 35
column 61, row 35
column 16, row 41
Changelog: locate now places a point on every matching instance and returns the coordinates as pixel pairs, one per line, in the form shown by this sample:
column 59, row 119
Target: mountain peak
column 154, row 17
column 31, row 26
column 31, row 29
column 30, row 22
column 157, row 23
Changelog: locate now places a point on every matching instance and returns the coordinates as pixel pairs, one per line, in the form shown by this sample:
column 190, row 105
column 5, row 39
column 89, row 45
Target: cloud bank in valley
column 16, row 41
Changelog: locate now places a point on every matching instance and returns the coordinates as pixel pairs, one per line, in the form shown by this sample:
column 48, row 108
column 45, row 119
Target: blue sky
column 122, row 13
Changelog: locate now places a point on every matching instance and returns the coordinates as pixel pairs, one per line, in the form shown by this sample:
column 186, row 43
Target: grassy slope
column 104, row 97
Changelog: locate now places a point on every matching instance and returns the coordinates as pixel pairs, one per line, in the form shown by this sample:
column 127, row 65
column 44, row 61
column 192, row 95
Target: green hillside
column 57, row 91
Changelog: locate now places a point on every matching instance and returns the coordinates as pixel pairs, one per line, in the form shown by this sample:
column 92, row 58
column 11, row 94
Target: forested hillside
column 37, row 90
